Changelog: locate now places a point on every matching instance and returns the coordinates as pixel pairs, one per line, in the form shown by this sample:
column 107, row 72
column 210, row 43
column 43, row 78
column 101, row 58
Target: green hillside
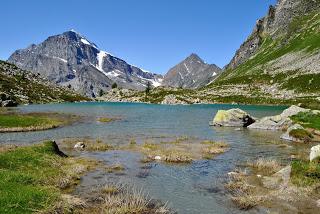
column 25, row 87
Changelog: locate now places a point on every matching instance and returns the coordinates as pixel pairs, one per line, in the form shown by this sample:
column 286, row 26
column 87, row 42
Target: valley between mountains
column 277, row 64
column 85, row 131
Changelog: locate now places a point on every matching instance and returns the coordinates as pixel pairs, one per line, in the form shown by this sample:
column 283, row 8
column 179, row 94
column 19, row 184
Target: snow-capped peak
column 85, row 41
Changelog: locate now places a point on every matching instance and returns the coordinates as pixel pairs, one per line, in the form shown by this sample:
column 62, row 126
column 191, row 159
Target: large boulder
column 315, row 152
column 278, row 122
column 232, row 118
column 172, row 100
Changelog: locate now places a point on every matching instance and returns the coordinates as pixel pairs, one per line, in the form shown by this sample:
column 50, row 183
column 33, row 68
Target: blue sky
column 152, row 34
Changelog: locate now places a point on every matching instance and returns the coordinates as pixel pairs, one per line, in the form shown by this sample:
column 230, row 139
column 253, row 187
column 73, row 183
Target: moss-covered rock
column 232, row 118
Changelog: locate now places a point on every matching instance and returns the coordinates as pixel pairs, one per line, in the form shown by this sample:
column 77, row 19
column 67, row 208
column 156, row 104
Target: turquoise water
column 193, row 188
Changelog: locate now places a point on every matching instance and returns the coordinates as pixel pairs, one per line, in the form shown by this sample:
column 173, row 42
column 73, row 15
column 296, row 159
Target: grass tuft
column 266, row 166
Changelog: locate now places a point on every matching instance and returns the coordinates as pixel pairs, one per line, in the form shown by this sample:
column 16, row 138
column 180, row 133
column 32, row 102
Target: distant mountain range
column 71, row 60
column 280, row 60
column 192, row 72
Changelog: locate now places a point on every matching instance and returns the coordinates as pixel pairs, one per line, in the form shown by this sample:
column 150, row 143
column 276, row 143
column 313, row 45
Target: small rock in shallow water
column 80, row 145
column 318, row 203
column 157, row 157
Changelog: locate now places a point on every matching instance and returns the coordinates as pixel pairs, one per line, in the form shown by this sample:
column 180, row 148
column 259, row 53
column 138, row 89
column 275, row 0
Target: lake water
column 192, row 188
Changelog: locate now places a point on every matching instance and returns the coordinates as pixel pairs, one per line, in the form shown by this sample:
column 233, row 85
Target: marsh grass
column 14, row 122
column 247, row 201
column 213, row 148
column 301, row 134
column 105, row 119
column 243, row 194
column 180, row 150
column 115, row 168
column 265, row 165
column 90, row 144
column 116, row 198
column 31, row 177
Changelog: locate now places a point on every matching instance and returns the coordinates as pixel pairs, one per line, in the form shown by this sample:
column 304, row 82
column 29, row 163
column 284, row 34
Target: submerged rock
column 278, row 122
column 232, row 118
column 315, row 152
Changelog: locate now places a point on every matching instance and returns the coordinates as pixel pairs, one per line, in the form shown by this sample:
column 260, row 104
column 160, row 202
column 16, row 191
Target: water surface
column 193, row 188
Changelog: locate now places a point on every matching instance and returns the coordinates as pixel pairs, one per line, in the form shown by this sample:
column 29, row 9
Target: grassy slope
column 303, row 35
column 29, row 178
column 35, row 91
column 307, row 120
column 23, row 175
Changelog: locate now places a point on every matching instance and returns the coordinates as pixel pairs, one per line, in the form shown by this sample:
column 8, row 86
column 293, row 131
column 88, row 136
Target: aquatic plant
column 265, row 165
column 105, row 119
column 118, row 198
column 90, row 144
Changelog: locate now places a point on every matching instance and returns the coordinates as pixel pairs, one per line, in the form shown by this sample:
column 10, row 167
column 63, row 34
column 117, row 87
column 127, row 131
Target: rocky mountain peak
column 193, row 57
column 192, row 72
column 70, row 59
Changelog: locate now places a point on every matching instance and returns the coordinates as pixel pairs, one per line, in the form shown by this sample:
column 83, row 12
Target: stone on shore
column 287, row 136
column 232, row 118
column 315, row 152
column 172, row 100
column 278, row 122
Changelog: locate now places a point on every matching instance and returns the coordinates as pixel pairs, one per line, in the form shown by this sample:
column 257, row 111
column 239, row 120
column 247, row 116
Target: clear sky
column 152, row 34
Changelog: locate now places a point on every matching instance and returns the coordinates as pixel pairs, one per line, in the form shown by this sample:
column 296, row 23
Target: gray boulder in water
column 232, row 118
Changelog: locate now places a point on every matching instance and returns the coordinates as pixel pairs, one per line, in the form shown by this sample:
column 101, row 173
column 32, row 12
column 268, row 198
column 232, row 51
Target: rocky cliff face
column 72, row 60
column 275, row 24
column 280, row 59
column 192, row 72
